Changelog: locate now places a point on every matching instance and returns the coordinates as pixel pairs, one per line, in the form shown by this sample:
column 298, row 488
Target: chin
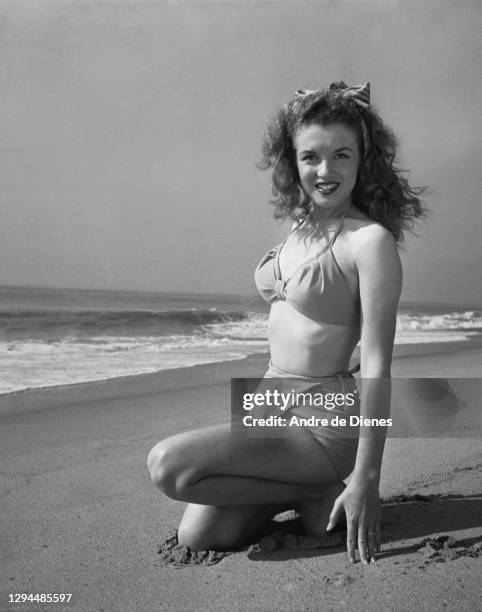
column 327, row 203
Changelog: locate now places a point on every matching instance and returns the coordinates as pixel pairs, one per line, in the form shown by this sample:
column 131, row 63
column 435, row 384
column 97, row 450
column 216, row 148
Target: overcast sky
column 130, row 133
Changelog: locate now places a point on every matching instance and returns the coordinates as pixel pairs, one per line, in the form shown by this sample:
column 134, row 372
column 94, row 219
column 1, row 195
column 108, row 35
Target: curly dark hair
column 381, row 191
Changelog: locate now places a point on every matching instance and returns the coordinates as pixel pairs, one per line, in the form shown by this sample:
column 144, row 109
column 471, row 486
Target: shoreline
column 253, row 365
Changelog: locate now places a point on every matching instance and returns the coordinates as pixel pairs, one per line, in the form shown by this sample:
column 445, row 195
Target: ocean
column 51, row 337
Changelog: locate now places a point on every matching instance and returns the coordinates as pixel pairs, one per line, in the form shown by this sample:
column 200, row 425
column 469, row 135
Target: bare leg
column 223, row 527
column 218, row 467
column 315, row 514
column 235, row 482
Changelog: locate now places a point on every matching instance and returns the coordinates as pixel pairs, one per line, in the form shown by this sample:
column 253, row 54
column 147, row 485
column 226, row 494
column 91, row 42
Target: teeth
column 326, row 187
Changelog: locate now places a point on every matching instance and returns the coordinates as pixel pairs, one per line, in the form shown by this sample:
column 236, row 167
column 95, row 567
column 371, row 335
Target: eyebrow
column 335, row 151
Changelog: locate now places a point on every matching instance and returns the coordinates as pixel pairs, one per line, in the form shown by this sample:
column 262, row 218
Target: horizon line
column 403, row 304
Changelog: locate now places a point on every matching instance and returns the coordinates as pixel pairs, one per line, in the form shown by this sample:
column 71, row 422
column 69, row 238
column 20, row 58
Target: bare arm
column 380, row 279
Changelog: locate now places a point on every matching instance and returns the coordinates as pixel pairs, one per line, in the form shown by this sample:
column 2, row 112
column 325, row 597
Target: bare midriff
column 305, row 347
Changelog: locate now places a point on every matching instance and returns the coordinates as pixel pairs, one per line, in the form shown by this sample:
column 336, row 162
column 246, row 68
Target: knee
column 193, row 538
column 205, row 539
column 163, row 468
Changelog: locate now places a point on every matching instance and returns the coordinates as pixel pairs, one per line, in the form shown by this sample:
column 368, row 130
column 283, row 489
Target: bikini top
column 317, row 288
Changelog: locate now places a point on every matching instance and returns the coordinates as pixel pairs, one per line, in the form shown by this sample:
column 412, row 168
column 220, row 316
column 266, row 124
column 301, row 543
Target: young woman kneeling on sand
column 335, row 280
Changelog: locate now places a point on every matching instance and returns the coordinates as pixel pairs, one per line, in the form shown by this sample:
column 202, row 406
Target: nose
column 324, row 168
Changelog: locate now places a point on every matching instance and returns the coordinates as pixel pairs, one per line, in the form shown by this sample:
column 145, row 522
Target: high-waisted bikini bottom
column 340, row 442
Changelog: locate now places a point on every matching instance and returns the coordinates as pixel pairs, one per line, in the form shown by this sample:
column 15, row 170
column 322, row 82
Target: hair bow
column 360, row 94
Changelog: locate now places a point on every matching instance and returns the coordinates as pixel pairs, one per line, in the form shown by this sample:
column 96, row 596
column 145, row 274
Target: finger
column 371, row 543
column 335, row 513
column 362, row 543
column 351, row 540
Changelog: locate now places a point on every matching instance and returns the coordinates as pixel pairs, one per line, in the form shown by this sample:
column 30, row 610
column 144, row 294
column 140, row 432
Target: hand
column 361, row 501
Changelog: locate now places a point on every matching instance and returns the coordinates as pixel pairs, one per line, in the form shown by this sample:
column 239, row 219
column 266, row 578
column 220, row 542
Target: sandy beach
column 80, row 516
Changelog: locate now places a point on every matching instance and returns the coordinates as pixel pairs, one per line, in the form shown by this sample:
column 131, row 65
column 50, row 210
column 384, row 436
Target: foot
column 315, row 514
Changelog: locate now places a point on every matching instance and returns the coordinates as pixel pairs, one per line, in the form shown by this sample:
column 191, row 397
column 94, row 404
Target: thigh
column 294, row 456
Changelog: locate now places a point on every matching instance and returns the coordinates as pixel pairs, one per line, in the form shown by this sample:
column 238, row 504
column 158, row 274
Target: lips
column 326, row 188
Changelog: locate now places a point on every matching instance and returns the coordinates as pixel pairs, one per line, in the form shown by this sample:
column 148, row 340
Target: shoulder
column 374, row 253
column 368, row 237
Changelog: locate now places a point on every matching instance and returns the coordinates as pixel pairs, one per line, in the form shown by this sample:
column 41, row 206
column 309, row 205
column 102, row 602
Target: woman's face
column 328, row 158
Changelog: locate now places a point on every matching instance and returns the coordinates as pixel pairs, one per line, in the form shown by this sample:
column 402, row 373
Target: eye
column 341, row 156
column 307, row 156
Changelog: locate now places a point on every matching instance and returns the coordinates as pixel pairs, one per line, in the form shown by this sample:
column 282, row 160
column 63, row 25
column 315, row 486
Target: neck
column 325, row 226
column 320, row 216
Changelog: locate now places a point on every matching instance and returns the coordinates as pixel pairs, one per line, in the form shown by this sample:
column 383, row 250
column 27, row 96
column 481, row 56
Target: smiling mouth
column 327, row 188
